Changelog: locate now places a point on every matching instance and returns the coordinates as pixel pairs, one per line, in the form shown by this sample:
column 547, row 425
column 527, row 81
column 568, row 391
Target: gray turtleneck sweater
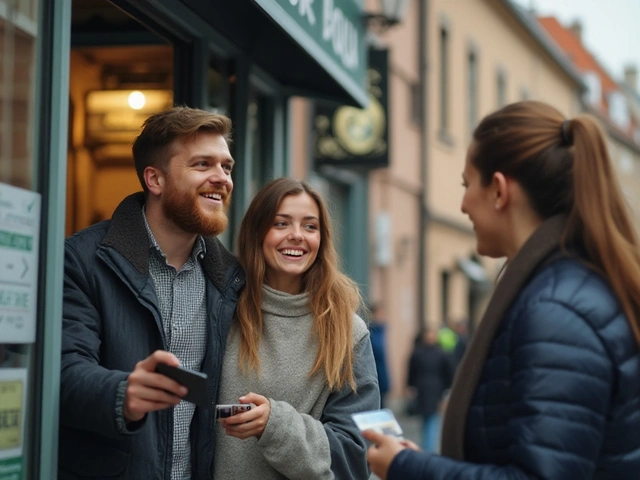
column 310, row 433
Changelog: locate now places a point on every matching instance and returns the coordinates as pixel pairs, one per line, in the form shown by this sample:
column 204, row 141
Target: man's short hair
column 152, row 148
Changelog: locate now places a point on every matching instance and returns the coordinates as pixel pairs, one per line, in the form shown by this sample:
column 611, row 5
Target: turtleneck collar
column 284, row 304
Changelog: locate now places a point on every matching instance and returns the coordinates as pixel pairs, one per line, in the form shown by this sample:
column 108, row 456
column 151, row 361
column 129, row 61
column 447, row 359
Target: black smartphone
column 196, row 383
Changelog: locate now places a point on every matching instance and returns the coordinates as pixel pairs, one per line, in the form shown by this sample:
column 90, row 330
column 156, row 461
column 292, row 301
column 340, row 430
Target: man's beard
column 183, row 210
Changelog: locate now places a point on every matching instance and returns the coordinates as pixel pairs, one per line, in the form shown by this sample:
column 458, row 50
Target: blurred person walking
column 431, row 374
column 377, row 331
column 461, row 328
column 550, row 385
column 297, row 349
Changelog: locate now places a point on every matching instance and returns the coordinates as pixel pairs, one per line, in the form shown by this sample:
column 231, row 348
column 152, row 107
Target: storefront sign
column 19, row 238
column 332, row 32
column 13, row 387
column 345, row 135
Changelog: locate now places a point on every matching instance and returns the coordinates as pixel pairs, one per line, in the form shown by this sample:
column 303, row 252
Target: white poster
column 19, row 240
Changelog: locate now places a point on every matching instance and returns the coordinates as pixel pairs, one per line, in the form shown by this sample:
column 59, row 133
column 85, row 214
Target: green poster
column 11, row 469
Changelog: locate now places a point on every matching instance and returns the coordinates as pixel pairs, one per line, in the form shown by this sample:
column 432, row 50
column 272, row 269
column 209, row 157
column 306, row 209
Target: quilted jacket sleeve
column 561, row 381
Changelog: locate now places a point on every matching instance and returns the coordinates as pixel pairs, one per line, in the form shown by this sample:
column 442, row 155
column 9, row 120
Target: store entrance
column 121, row 72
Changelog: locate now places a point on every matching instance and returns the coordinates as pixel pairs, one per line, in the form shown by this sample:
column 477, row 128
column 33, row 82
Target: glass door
column 121, row 73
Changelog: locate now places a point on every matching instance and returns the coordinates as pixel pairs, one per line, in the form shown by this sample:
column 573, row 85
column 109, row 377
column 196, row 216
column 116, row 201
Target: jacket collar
column 539, row 250
column 127, row 235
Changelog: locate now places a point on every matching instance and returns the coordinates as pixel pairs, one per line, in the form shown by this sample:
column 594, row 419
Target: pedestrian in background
column 297, row 350
column 431, row 374
column 550, row 385
column 152, row 285
column 377, row 331
column 461, row 328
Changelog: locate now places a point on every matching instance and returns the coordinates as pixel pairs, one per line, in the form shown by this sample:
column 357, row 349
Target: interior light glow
column 136, row 100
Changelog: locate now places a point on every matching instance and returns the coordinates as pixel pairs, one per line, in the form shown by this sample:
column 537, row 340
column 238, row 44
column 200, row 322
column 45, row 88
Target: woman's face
column 479, row 204
column 291, row 245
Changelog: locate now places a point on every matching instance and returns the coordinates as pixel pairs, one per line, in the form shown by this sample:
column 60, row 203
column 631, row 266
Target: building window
column 593, row 93
column 444, row 79
column 473, row 91
column 501, row 88
column 415, row 108
column 445, row 277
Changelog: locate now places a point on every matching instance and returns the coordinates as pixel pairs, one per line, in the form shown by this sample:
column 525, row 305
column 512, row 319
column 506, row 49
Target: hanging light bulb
column 136, row 100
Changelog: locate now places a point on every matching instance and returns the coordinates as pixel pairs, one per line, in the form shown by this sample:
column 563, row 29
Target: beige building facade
column 478, row 56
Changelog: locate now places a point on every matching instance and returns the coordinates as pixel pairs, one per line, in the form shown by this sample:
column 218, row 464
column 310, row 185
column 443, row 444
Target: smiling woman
column 291, row 244
column 298, row 342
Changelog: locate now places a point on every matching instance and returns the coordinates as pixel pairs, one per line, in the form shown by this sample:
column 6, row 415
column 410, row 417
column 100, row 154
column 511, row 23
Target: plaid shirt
column 181, row 295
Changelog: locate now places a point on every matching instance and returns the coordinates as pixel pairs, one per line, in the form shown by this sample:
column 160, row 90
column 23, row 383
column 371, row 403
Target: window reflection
column 18, row 38
column 217, row 87
column 18, row 70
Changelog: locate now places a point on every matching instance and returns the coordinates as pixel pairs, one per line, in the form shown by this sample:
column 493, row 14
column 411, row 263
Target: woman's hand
column 384, row 451
column 251, row 423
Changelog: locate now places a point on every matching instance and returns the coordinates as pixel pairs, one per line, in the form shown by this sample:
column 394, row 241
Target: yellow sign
column 11, row 397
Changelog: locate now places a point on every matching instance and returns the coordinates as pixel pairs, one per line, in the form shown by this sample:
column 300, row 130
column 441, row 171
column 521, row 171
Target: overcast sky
column 610, row 29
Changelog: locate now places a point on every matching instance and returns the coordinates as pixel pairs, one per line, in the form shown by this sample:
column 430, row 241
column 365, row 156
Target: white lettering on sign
column 305, row 7
column 342, row 34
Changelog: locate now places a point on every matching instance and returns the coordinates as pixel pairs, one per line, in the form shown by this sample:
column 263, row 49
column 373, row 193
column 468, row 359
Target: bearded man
column 152, row 285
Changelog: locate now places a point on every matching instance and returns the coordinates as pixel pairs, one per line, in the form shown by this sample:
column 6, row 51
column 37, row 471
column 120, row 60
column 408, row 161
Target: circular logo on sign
column 358, row 130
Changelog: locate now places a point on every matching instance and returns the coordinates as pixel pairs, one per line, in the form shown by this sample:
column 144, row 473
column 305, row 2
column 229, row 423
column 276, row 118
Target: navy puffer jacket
column 559, row 396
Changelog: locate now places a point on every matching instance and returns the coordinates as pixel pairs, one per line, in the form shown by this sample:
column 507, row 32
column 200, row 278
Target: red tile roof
column 578, row 54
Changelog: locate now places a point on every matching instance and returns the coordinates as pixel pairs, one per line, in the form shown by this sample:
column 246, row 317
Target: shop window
column 260, row 137
column 218, row 101
column 218, row 86
column 18, row 40
column 19, row 233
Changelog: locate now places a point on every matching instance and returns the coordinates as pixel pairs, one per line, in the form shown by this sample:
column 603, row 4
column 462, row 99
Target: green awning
column 332, row 33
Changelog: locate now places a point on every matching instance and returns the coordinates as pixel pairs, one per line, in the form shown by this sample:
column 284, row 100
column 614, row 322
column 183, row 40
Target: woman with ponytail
column 549, row 387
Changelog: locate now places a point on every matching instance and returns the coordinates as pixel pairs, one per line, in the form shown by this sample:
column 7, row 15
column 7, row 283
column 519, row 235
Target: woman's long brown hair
column 564, row 167
column 333, row 297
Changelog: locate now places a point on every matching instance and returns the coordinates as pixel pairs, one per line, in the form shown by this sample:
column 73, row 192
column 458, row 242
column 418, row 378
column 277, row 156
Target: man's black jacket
column 111, row 320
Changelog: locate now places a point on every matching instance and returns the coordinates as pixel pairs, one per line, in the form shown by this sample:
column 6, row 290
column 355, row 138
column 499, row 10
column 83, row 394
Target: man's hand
column 148, row 391
column 384, row 451
column 251, row 423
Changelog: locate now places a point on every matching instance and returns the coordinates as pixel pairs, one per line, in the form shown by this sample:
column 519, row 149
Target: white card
column 383, row 421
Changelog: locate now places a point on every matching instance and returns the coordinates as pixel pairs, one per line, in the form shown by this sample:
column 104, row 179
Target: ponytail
column 599, row 220
column 564, row 168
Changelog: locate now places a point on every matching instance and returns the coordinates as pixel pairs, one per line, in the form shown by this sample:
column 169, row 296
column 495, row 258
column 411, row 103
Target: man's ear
column 500, row 190
column 155, row 180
